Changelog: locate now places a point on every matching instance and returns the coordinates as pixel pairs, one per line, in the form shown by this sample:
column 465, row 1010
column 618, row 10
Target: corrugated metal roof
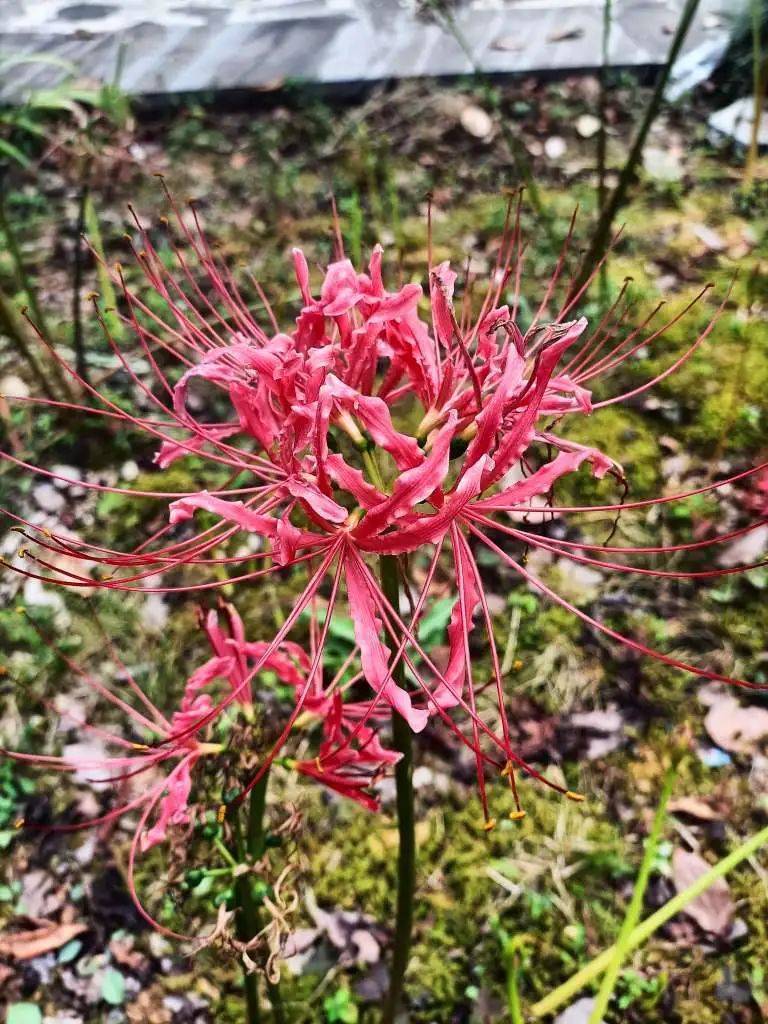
column 175, row 46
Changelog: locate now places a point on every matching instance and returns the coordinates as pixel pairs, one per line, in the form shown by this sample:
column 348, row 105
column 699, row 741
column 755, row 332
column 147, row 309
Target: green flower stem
column 246, row 915
column 651, row 924
column 406, row 856
column 52, row 369
column 613, row 203
column 249, row 847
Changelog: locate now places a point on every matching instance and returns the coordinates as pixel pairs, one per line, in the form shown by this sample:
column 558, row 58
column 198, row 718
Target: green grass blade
column 106, row 287
column 646, row 929
column 635, row 908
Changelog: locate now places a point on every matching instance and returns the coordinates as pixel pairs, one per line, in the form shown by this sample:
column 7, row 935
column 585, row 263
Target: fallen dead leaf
column 711, row 239
column 734, row 727
column 713, row 911
column 47, row 936
column 579, row 1012
column 749, row 548
column 694, row 807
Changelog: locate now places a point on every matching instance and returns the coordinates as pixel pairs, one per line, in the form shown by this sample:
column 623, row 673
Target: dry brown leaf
column 47, row 936
column 714, row 909
column 695, row 807
column 735, row 728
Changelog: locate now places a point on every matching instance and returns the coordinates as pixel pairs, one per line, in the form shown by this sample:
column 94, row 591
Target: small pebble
column 48, row 498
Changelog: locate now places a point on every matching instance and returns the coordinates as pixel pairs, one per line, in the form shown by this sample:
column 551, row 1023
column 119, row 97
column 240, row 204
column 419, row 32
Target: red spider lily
column 345, row 763
column 319, row 429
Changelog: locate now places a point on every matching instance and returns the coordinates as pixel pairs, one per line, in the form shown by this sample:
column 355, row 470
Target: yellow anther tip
column 516, row 815
column 221, row 813
column 21, row 610
column 319, row 766
column 507, row 769
column 517, row 664
column 577, row 798
column 489, row 825
column 19, row 823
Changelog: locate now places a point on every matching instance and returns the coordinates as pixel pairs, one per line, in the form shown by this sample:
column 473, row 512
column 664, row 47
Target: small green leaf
column 340, row 1008
column 69, row 952
column 113, row 987
column 9, row 150
column 436, row 620
column 24, row 1013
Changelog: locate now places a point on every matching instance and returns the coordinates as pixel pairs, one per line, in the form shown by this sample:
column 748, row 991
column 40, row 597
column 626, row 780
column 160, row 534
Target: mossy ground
column 559, row 880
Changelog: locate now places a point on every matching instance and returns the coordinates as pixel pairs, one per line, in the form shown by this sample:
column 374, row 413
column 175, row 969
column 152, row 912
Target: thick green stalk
column 256, row 848
column 21, row 338
column 18, row 327
column 759, row 77
column 406, row 855
column 602, row 135
column 249, row 847
column 565, row 992
column 247, row 915
column 22, row 277
column 608, row 213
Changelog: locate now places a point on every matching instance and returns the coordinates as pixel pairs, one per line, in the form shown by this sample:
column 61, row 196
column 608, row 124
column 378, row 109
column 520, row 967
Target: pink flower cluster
column 399, row 424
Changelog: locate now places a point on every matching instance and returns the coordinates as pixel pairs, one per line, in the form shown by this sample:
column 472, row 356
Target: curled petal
column 173, row 805
column 543, row 478
column 430, row 529
column 374, row 414
column 413, row 486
